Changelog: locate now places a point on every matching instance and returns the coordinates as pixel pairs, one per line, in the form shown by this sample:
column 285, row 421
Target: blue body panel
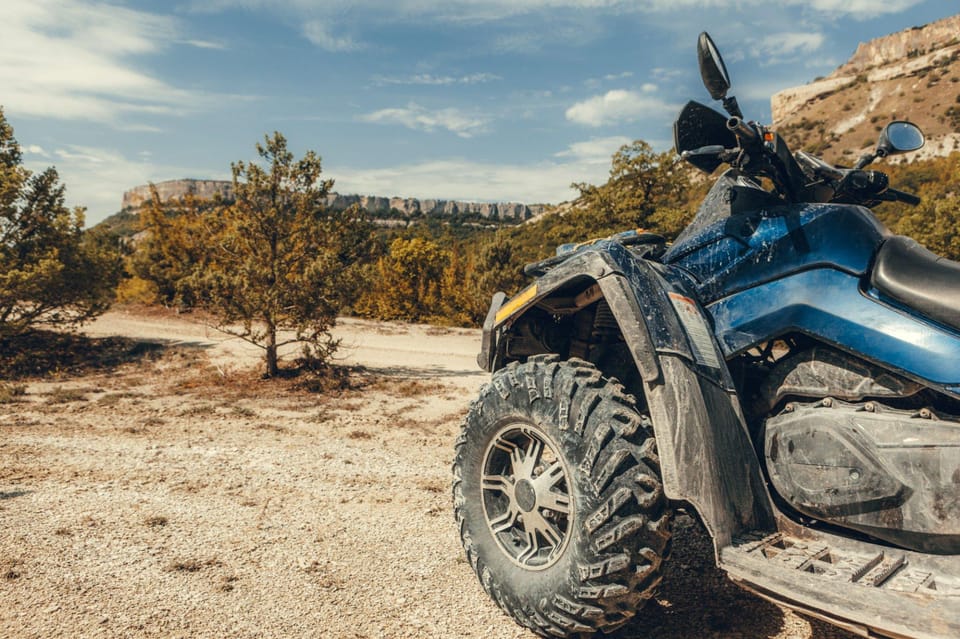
column 828, row 304
column 743, row 251
column 804, row 268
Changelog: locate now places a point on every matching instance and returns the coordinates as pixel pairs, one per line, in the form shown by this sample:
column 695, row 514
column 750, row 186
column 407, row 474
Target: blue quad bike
column 788, row 370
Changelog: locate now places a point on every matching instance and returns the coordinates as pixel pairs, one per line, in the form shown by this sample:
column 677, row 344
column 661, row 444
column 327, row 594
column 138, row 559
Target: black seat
column 910, row 274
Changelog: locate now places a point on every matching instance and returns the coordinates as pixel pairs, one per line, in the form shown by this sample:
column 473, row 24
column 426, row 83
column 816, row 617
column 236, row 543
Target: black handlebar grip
column 903, row 196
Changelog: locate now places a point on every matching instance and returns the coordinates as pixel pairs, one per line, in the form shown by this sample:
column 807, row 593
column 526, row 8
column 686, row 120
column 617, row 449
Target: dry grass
column 235, row 384
column 227, row 583
column 184, row 565
column 277, row 428
column 11, row 568
column 407, row 387
column 326, row 577
column 62, row 395
column 204, row 409
column 193, row 565
column 10, row 393
column 112, row 399
column 242, row 411
column 433, row 485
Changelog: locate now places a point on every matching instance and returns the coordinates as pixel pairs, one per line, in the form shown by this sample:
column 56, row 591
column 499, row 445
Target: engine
column 891, row 473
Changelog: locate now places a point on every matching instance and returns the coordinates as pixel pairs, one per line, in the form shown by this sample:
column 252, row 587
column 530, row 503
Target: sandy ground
column 180, row 496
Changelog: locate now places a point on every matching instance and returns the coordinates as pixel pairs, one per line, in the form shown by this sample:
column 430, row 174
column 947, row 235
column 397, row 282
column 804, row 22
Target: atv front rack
column 867, row 589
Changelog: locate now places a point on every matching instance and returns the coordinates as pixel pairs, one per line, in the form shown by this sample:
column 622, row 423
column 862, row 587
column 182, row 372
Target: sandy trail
column 182, row 497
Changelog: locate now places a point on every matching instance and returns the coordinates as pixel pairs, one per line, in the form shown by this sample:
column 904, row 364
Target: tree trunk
column 272, row 368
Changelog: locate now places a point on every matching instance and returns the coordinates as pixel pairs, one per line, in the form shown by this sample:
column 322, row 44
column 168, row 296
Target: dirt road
column 180, row 496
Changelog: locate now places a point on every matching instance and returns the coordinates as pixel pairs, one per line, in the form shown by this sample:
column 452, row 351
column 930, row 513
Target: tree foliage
column 278, row 259
column 641, row 183
column 51, row 272
column 172, row 246
column 440, row 281
column 405, row 284
column 452, row 281
column 935, row 222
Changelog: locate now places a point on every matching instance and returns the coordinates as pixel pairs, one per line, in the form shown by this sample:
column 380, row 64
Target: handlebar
column 870, row 182
column 852, row 185
column 875, row 184
column 716, row 150
column 903, row 196
column 742, row 130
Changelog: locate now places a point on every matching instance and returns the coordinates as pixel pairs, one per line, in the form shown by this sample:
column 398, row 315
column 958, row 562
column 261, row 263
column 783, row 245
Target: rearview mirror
column 899, row 137
column 712, row 69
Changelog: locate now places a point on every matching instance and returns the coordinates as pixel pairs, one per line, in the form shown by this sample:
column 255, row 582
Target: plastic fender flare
column 706, row 454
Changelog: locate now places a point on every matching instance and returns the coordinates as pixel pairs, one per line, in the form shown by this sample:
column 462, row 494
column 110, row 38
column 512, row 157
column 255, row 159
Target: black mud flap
column 487, row 346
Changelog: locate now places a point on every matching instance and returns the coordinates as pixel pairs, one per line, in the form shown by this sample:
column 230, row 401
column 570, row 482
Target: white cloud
column 595, row 150
column 471, row 181
column 472, row 11
column 35, row 149
column 436, row 80
column 70, row 59
column 609, row 77
column 319, row 34
column 777, row 47
column 416, row 117
column 468, row 11
column 518, row 43
column 665, row 74
column 617, row 106
column 205, row 44
column 860, row 8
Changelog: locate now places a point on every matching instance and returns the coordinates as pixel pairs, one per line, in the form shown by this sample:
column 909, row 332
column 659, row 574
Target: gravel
column 182, row 497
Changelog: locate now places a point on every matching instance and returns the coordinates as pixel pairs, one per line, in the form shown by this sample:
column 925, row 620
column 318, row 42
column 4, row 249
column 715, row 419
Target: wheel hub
column 526, row 496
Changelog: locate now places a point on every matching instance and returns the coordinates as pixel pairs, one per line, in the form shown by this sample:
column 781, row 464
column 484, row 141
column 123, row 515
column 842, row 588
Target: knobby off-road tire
column 558, row 496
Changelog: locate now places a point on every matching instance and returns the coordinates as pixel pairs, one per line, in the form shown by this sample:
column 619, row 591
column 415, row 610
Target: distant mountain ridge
column 375, row 205
column 912, row 74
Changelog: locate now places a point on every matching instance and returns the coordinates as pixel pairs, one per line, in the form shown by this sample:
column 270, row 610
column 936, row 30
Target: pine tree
column 51, row 272
column 279, row 259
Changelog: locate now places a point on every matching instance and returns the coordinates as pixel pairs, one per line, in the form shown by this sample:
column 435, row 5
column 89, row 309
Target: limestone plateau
column 379, row 206
column 913, row 75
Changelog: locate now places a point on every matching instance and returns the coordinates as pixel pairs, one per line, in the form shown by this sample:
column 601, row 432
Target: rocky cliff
column 377, row 206
column 913, row 74
column 177, row 189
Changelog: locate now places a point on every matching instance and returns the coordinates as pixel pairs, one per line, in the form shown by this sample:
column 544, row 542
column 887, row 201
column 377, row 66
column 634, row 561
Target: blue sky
column 490, row 100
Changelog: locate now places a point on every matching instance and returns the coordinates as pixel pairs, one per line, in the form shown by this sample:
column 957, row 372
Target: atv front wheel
column 558, row 496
